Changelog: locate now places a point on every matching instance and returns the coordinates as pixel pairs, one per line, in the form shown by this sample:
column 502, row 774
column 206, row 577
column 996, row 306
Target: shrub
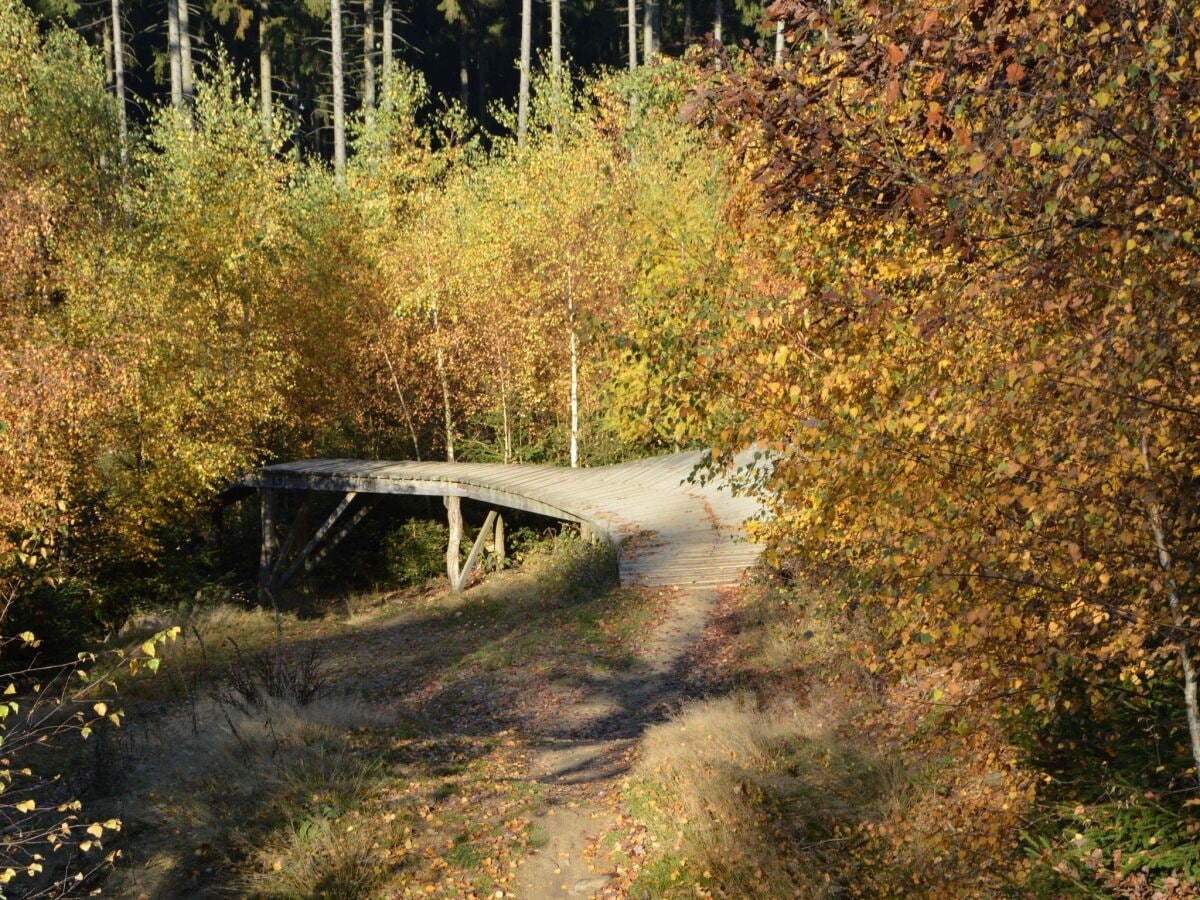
column 415, row 551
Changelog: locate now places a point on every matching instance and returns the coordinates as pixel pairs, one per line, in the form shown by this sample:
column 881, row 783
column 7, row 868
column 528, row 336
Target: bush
column 416, row 551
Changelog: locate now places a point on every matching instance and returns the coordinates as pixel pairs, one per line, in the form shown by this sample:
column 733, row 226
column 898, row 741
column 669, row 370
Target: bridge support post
column 457, row 584
column 270, row 542
column 499, row 542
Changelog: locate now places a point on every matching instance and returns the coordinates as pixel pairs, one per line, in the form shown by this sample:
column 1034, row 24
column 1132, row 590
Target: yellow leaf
column 1035, row 149
column 96, row 830
column 101, row 709
column 148, row 648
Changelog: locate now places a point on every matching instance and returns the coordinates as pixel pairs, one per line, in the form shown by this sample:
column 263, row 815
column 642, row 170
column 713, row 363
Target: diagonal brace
column 480, row 539
column 305, row 553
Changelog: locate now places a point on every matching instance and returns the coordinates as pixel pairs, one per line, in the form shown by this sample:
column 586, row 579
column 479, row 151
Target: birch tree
column 651, row 29
column 369, row 57
column 119, row 78
column 526, row 53
column 174, row 54
column 187, row 74
column 388, row 49
column 632, row 32
column 339, row 99
column 264, row 69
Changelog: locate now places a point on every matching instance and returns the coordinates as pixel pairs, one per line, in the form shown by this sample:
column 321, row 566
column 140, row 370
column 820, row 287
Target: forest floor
column 456, row 746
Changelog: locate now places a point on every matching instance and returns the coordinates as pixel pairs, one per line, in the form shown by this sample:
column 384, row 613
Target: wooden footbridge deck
column 667, row 531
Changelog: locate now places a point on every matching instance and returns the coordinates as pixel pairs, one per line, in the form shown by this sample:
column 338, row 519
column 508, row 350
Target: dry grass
column 751, row 800
column 202, row 803
column 819, row 779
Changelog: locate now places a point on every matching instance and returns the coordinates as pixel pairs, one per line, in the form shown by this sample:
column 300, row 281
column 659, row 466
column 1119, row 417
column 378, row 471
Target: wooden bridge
column 667, row 530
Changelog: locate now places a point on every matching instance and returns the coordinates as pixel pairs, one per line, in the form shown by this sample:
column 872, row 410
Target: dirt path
column 590, row 749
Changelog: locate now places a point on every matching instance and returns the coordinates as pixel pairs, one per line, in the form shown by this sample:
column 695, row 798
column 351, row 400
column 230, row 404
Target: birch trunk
column 369, row 57
column 464, row 75
column 504, row 411
column 556, row 39
column 173, row 54
column 106, row 39
column 779, row 43
column 453, row 504
column 412, row 428
column 526, row 52
column 574, row 342
column 187, row 74
column 1190, row 700
column 388, row 40
column 650, row 32
column 717, row 23
column 264, row 72
column 339, row 97
column 631, row 22
column 119, row 78
column 687, row 22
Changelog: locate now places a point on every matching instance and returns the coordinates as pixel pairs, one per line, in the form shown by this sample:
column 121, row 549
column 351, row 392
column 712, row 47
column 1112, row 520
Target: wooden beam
column 296, row 531
column 337, row 536
column 316, row 539
column 480, row 539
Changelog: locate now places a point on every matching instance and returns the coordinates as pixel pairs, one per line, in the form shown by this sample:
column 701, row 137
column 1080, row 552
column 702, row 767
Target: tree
column 339, row 99
column 631, row 30
column 264, row 70
column 526, row 54
column 174, row 53
column 975, row 341
column 369, row 56
column 556, row 39
column 651, row 31
column 119, row 76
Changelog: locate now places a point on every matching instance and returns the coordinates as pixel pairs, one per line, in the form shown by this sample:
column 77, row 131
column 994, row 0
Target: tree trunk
column 119, row 78
column 574, row 342
column 106, row 39
column 387, row 50
column 453, row 504
column 464, row 75
column 687, row 22
column 1190, row 679
column 369, row 57
column 526, row 52
column 187, row 74
column 173, row 54
column 555, row 39
column 339, row 97
column 779, row 43
column 717, row 23
column 631, row 21
column 412, row 428
column 507, row 436
column 650, row 43
column 264, row 71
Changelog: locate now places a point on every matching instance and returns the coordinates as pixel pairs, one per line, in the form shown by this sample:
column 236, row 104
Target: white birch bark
column 173, row 54
column 119, row 78
column 526, row 53
column 1191, row 701
column 264, row 72
column 369, row 57
column 339, row 97
column 187, row 74
column 631, row 23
